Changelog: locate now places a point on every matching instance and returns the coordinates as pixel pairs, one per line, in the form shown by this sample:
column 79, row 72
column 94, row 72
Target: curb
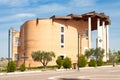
column 63, row 69
column 19, row 72
column 54, row 70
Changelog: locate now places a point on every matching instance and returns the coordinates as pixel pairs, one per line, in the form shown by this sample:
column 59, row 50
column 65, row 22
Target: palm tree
column 43, row 56
column 89, row 53
column 98, row 53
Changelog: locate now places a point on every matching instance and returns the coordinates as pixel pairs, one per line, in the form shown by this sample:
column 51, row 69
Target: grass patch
column 42, row 68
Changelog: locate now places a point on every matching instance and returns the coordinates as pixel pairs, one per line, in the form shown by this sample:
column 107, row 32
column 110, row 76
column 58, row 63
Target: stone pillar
column 99, row 34
column 103, row 35
column 107, row 41
column 104, row 40
column 89, row 32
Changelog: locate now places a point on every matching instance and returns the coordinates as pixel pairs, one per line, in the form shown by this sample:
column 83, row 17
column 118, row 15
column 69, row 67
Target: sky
column 13, row 13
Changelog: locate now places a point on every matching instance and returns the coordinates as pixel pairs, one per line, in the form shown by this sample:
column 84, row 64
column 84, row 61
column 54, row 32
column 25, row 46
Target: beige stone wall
column 45, row 36
column 15, row 45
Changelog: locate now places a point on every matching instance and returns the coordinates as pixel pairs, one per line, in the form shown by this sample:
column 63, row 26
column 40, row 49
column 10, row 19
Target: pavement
column 25, row 72
column 37, row 71
column 87, row 73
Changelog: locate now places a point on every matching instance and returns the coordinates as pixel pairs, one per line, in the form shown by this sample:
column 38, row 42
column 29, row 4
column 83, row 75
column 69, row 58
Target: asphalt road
column 98, row 73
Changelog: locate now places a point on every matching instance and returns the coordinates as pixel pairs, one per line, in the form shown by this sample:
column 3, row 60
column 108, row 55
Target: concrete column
column 89, row 32
column 107, row 41
column 103, row 35
column 99, row 34
column 104, row 40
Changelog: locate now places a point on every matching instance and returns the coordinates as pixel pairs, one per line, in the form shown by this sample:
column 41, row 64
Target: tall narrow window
column 16, row 56
column 16, row 41
column 62, row 29
column 62, row 37
column 63, row 56
column 87, row 33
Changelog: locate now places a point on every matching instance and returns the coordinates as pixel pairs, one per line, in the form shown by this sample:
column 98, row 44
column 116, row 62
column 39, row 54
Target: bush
column 41, row 67
column 82, row 61
column 59, row 62
column 52, row 67
column 67, row 63
column 22, row 67
column 11, row 67
column 92, row 63
column 99, row 62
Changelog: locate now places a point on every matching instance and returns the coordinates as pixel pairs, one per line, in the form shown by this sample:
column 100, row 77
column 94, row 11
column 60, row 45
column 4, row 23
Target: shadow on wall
column 72, row 79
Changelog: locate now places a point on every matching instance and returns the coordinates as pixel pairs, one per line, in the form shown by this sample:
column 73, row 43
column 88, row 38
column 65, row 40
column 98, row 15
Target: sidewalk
column 37, row 71
column 10, row 73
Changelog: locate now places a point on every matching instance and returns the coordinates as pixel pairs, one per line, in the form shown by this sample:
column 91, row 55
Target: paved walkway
column 87, row 73
column 36, row 71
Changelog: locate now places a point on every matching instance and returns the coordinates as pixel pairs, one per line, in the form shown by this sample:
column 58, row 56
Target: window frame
column 62, row 36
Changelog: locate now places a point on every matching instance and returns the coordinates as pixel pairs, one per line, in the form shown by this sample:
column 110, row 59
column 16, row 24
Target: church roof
column 85, row 16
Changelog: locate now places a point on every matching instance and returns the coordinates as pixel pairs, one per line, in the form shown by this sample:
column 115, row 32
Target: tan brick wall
column 46, row 36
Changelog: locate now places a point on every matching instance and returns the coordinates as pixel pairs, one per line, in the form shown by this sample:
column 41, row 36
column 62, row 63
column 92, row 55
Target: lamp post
column 9, row 46
column 78, row 50
column 9, row 40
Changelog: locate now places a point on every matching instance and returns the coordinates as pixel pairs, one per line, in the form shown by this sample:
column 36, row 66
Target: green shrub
column 22, row 67
column 82, row 61
column 99, row 62
column 52, row 67
column 41, row 67
column 92, row 63
column 11, row 67
column 67, row 63
column 3, row 69
column 59, row 62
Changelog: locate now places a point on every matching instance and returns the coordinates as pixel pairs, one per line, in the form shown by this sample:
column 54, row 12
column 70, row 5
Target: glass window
column 86, row 32
column 62, row 29
column 62, row 56
column 16, row 57
column 62, row 38
column 16, row 42
column 62, row 46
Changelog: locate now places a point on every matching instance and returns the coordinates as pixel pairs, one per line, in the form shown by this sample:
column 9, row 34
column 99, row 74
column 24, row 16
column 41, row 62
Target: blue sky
column 13, row 13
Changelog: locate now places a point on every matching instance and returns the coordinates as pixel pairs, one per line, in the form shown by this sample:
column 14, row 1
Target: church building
column 64, row 35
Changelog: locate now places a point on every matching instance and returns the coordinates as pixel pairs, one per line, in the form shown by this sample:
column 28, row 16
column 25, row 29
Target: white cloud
column 16, row 17
column 50, row 8
column 82, row 3
column 14, row 3
column 4, row 1
column 46, row 8
column 56, row 8
column 25, row 15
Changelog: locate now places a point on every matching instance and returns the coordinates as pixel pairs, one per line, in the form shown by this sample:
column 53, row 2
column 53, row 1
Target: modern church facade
column 62, row 35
